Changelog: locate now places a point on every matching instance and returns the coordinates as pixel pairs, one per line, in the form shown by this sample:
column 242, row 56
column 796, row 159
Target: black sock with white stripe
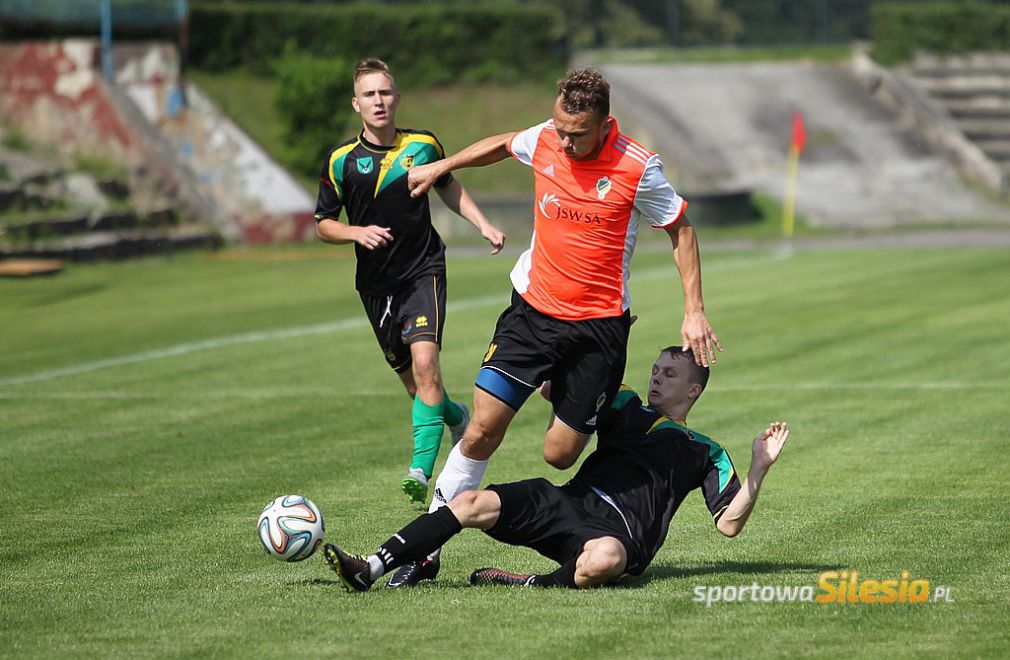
column 415, row 541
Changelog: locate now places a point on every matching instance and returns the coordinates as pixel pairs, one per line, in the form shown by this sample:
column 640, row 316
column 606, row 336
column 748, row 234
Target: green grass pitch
column 148, row 410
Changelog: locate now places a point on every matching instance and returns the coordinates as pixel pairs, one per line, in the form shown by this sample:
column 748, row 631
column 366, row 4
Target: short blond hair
column 372, row 65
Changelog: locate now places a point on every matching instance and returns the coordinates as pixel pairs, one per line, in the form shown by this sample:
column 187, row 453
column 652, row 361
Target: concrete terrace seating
column 975, row 92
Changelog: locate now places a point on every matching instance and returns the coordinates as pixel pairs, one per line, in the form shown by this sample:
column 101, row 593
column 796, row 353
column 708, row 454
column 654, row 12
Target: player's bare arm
column 459, row 202
column 765, row 450
column 338, row 233
column 483, row 152
column 696, row 332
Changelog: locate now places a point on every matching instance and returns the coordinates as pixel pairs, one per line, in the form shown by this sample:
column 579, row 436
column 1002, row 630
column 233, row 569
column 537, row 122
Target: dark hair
column 371, row 65
column 698, row 373
column 585, row 90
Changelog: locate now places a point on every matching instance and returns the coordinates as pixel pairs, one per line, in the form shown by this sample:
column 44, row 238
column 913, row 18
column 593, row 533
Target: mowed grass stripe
column 283, row 334
column 131, row 519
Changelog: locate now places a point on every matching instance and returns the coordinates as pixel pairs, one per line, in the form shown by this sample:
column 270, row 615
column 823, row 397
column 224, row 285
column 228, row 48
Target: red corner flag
column 799, row 139
column 796, row 145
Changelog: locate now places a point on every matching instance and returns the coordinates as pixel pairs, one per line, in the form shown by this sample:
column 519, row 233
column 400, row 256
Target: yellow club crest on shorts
column 421, row 322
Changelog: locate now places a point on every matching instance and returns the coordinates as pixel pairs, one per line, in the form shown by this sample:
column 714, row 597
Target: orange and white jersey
column 585, row 222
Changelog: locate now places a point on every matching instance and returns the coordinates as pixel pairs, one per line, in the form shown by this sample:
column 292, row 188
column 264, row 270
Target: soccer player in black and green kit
column 613, row 516
column 400, row 257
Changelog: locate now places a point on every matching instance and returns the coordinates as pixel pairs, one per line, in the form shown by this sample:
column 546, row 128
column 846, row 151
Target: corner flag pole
column 796, row 144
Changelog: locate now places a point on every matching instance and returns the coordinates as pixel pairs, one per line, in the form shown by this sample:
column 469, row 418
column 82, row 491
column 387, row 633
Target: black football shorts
column 584, row 360
column 415, row 312
column 556, row 521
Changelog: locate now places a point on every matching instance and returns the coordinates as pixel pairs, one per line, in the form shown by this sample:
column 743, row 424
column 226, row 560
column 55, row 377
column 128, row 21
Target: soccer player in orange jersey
column 569, row 319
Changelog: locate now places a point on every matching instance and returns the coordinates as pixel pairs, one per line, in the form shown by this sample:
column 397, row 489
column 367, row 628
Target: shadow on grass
column 380, row 586
column 655, row 572
column 666, row 572
column 44, row 299
column 316, row 582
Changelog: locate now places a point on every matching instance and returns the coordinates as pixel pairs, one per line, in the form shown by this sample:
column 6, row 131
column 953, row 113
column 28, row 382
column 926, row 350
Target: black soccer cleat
column 487, row 576
column 353, row 570
column 410, row 574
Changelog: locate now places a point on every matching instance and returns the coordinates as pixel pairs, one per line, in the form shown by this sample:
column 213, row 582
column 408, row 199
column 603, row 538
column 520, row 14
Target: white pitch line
column 305, row 331
column 299, row 392
column 229, row 340
column 862, row 386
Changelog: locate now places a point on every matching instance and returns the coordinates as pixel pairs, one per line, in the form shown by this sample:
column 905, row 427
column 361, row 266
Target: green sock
column 428, row 427
column 453, row 413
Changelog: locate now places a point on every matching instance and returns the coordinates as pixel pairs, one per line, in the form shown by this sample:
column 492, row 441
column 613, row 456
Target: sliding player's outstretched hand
column 420, row 179
column 768, row 445
column 697, row 334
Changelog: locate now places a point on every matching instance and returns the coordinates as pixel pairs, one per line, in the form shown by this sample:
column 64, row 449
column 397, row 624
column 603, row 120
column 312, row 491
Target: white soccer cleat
column 458, row 430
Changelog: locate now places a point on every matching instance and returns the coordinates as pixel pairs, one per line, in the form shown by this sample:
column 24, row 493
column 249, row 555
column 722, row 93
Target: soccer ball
column 291, row 528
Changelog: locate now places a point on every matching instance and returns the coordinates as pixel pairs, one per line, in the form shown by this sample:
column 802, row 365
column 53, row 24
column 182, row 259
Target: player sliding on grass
column 400, row 257
column 569, row 320
column 612, row 518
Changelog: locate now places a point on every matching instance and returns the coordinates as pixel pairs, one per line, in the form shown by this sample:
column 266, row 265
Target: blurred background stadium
column 199, row 352
column 132, row 127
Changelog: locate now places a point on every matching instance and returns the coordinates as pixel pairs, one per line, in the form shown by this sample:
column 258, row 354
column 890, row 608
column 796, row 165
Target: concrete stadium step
column 111, row 245
column 980, row 112
column 980, row 61
column 963, row 83
column 68, row 224
column 995, row 148
column 985, row 129
column 14, row 197
column 952, row 94
column 980, row 105
column 64, row 225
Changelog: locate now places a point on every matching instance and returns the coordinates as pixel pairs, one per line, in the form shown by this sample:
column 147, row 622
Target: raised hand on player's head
column 768, row 445
column 697, row 334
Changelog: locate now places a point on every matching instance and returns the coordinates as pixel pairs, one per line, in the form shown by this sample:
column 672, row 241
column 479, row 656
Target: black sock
column 419, row 538
column 563, row 577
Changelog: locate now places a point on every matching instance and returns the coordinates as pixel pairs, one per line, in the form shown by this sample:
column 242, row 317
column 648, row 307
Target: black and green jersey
column 646, row 464
column 369, row 181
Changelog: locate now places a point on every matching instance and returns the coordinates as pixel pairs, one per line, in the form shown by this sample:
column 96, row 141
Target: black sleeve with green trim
column 721, row 483
column 328, row 202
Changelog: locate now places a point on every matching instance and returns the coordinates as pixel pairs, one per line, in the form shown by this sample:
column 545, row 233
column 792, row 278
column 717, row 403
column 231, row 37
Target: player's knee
column 463, row 504
column 605, row 560
column 609, row 564
column 479, row 440
column 475, row 508
column 425, row 368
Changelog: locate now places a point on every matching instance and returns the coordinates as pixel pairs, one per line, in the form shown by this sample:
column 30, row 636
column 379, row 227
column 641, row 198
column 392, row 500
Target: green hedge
column 312, row 99
column 424, row 44
column 900, row 29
